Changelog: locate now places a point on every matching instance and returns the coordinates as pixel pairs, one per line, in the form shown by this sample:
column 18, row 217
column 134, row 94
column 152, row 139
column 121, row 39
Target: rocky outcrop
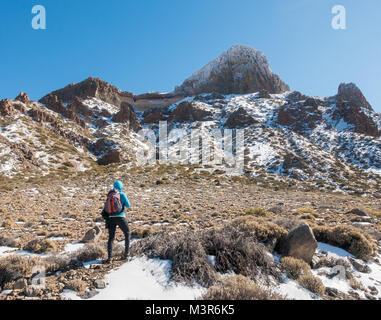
column 292, row 161
column 7, row 108
column 23, row 97
column 11, row 108
column 78, row 107
column 239, row 70
column 351, row 104
column 350, row 94
column 299, row 243
column 110, row 157
column 300, row 116
column 128, row 116
column 92, row 235
column 106, row 151
column 55, row 104
column 154, row 117
column 90, row 88
column 239, row 119
column 296, row 96
column 188, row 111
column 40, row 116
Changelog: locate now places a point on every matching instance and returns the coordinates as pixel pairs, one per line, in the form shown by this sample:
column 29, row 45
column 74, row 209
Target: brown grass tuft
column 239, row 288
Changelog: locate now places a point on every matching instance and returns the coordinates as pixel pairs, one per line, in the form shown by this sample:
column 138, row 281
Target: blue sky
column 153, row 45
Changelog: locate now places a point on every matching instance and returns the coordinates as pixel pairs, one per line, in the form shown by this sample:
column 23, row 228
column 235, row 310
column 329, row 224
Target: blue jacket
column 123, row 198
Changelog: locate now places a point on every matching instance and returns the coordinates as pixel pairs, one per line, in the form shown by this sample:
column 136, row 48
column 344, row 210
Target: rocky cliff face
column 353, row 107
column 239, row 70
column 90, row 88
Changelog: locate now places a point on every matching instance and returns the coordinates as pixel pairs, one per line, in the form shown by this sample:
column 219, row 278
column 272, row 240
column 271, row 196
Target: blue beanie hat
column 118, row 185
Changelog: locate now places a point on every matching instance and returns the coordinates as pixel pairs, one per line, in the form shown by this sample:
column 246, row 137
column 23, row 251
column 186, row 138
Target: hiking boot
column 108, row 261
column 125, row 257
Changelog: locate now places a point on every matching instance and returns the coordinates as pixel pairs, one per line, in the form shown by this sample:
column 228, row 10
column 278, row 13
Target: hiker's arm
column 125, row 201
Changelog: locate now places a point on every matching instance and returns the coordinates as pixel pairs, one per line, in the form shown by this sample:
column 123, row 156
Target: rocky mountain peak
column 239, row 70
column 350, row 104
column 350, row 94
column 90, row 88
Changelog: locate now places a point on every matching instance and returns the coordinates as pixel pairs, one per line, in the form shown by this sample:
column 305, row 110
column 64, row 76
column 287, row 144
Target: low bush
column 262, row 229
column 89, row 253
column 312, row 283
column 8, row 241
column 239, row 288
column 40, row 246
column 76, row 285
column 347, row 238
column 256, row 212
column 239, row 252
column 294, row 268
column 186, row 252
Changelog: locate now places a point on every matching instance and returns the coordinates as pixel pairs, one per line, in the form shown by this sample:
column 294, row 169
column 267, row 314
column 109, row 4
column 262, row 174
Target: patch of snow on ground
column 146, row 279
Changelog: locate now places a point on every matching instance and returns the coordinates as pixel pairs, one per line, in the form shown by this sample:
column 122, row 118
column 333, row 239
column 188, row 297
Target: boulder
column 20, row 284
column 239, row 119
column 99, row 284
column 92, row 235
column 299, row 243
column 90, row 294
column 360, row 266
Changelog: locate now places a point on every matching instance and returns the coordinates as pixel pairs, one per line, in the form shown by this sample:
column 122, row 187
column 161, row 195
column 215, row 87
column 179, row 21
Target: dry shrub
column 186, row 252
column 356, row 285
column 76, row 285
column 235, row 250
column 15, row 267
column 8, row 223
column 288, row 223
column 239, row 252
column 312, row 283
column 259, row 212
column 141, row 232
column 57, row 263
column 40, row 246
column 347, row 238
column 238, row 288
column 294, row 268
column 262, row 229
column 90, row 252
column 8, row 241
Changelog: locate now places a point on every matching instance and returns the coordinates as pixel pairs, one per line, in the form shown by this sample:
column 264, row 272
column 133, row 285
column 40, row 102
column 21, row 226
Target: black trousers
column 112, row 223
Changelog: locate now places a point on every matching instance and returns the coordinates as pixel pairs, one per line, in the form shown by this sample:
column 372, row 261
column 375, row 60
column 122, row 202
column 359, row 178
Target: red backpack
column 113, row 205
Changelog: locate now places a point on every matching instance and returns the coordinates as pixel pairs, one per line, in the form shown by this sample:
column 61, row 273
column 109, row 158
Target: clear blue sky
column 153, row 45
